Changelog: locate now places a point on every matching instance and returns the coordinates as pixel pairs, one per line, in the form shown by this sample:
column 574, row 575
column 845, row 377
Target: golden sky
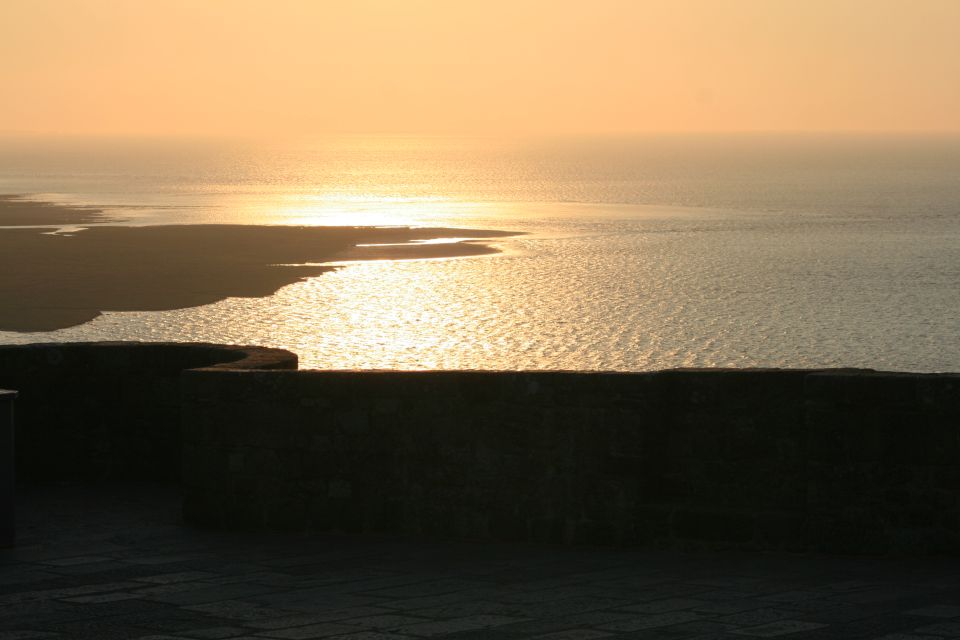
column 481, row 66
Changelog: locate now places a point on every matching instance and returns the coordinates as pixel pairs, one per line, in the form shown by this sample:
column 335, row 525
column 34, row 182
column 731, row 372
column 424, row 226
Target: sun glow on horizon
column 332, row 209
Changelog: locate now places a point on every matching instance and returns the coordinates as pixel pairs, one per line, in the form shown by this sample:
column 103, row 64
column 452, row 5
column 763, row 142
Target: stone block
column 714, row 525
column 864, row 389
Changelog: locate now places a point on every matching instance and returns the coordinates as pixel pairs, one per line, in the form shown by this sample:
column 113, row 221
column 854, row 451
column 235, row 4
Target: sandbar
column 15, row 211
column 54, row 281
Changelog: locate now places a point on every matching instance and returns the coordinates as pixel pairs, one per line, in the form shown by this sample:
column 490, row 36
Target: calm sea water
column 641, row 253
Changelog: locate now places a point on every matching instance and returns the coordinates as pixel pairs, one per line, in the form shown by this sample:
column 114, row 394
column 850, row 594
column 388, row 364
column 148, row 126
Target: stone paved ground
column 112, row 563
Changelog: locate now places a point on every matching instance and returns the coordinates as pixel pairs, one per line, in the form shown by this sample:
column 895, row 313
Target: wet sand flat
column 53, row 281
column 15, row 211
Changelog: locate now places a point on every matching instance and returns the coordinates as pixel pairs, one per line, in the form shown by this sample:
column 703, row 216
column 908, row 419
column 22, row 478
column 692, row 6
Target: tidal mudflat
column 16, row 211
column 52, row 281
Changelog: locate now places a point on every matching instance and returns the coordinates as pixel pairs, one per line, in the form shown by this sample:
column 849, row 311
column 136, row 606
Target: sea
column 637, row 253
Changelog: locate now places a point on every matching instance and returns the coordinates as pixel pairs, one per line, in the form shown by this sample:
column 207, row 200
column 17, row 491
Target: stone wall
column 883, row 461
column 7, row 477
column 850, row 461
column 109, row 410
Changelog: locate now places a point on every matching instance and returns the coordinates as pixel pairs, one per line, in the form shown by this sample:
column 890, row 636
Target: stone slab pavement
column 116, row 562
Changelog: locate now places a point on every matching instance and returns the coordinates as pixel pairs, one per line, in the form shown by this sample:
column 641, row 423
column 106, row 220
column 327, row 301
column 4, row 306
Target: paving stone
column 51, row 594
column 468, row 623
column 177, row 622
column 24, row 575
column 756, row 617
column 101, row 598
column 536, row 627
column 386, row 621
column 182, row 576
column 574, row 634
column 728, row 607
column 722, row 595
column 667, row 604
column 425, row 602
column 878, row 625
column 664, row 591
column 270, row 579
column 149, row 592
column 948, row 629
column 372, row 635
column 112, row 568
column 937, row 611
column 164, row 559
column 728, row 583
column 543, row 595
column 304, row 619
column 595, row 618
column 75, row 611
column 842, row 614
column 793, row 596
column 238, row 610
column 636, row 623
column 426, row 588
column 698, row 628
column 488, row 633
column 203, row 594
column 74, row 561
column 571, row 606
column 823, row 607
column 100, row 628
column 57, row 582
column 849, row 585
column 881, row 595
column 214, row 633
column 473, row 608
column 311, row 601
column 25, row 615
column 388, row 582
column 779, row 628
column 323, row 630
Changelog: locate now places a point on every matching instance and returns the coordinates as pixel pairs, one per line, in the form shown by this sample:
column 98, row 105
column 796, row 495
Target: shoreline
column 55, row 281
column 17, row 211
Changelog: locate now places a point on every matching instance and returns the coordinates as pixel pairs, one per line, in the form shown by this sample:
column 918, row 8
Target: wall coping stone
column 110, row 410
column 239, row 357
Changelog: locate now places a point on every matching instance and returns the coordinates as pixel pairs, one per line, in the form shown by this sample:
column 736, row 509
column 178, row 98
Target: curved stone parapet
column 110, row 410
column 164, row 355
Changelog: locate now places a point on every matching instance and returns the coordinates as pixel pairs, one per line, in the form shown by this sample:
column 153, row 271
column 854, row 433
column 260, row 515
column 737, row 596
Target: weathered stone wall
column 108, row 410
column 837, row 460
column 883, row 461
column 7, row 478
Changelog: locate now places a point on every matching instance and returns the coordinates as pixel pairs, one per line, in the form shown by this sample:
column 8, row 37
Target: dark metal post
column 7, row 471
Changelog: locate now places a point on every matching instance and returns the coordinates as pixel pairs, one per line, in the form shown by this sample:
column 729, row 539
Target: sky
column 289, row 67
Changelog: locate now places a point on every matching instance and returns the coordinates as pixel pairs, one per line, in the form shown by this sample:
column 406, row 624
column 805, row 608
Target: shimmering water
column 640, row 254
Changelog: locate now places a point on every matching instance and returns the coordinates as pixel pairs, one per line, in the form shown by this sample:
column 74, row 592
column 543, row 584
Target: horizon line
column 487, row 134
